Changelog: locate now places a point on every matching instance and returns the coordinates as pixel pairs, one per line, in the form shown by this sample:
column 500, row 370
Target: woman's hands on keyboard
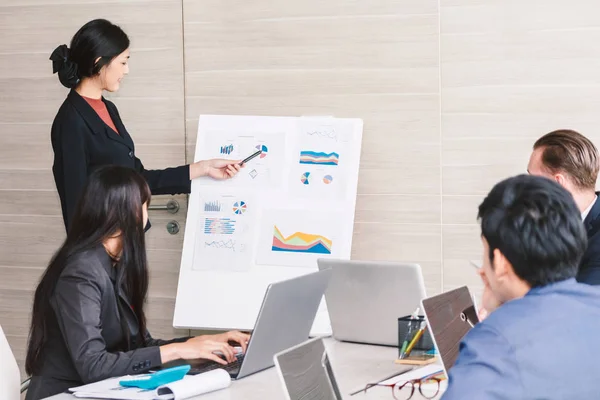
column 232, row 336
column 210, row 347
column 198, row 347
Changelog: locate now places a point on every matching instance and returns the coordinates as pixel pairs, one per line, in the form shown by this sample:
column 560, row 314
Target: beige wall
column 511, row 71
column 453, row 93
column 151, row 104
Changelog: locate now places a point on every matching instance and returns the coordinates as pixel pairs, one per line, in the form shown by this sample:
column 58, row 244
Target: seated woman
column 88, row 320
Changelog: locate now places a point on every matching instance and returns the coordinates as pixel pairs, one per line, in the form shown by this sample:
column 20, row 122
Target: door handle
column 172, row 206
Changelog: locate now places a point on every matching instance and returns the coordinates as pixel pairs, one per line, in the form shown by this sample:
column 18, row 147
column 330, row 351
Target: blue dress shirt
column 542, row 346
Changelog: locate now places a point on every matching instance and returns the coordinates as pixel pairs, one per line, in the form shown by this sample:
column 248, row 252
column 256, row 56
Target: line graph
column 221, row 244
column 327, row 133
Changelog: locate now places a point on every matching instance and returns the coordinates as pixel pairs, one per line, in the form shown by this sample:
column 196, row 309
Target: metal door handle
column 172, row 206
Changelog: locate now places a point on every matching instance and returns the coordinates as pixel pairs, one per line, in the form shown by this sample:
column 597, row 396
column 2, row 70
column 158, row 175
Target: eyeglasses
column 404, row 390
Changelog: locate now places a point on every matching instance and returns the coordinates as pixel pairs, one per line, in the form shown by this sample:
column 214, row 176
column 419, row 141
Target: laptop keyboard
column 232, row 367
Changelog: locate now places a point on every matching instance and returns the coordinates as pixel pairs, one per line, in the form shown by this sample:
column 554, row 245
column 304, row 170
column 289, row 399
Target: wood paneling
column 511, row 72
column 377, row 61
column 151, row 104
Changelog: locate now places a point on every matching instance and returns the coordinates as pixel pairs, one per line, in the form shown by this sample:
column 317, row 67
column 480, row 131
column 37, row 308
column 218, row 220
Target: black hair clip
column 59, row 57
column 67, row 69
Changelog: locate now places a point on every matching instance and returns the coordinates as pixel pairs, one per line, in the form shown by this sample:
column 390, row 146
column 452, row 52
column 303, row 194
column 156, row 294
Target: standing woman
column 88, row 132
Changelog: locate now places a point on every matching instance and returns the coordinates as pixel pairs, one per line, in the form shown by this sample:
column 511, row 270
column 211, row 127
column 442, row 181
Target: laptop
column 450, row 316
column 366, row 298
column 306, row 373
column 285, row 319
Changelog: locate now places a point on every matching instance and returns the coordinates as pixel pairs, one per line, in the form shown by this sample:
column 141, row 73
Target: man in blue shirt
column 540, row 338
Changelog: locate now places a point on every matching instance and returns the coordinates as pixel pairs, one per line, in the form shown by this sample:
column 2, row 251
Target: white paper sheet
column 224, row 233
column 189, row 386
column 197, row 384
column 298, row 237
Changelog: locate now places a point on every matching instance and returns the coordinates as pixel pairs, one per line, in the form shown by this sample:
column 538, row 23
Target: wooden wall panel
column 377, row 61
column 511, row 72
column 151, row 105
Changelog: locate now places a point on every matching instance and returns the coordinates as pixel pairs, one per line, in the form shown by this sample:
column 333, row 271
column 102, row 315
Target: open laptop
column 366, row 298
column 285, row 319
column 450, row 316
column 306, row 373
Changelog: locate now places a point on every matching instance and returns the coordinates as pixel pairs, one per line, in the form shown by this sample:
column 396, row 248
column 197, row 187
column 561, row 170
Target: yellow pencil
column 415, row 340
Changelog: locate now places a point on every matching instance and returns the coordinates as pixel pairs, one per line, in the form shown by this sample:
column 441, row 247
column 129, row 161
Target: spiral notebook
column 189, row 386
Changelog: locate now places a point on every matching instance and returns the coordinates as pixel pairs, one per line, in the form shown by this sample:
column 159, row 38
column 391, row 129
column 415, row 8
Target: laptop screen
column 306, row 372
column 450, row 316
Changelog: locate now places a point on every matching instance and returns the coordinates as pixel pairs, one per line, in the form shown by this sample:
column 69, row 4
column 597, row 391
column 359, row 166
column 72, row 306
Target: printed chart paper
column 224, row 232
column 299, row 237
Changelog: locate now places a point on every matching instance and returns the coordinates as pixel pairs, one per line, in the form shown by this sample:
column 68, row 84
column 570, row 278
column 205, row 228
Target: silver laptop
column 306, row 373
column 285, row 319
column 450, row 316
column 366, row 298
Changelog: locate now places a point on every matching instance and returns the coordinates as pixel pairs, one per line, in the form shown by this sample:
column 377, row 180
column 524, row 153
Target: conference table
column 354, row 365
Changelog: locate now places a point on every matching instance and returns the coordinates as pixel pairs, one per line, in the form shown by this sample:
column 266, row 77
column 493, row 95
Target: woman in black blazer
column 88, row 320
column 88, row 132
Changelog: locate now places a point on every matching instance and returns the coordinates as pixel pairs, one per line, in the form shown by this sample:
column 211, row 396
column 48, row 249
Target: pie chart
column 304, row 178
column 239, row 207
column 327, row 179
column 264, row 150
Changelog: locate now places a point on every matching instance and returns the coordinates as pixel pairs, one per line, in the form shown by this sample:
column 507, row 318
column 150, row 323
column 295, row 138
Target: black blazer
column 589, row 269
column 82, row 141
column 86, row 341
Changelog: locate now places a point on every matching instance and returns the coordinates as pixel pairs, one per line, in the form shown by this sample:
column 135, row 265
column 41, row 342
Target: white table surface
column 354, row 365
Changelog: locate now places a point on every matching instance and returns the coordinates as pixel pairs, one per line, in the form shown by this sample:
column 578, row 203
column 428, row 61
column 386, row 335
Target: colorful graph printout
column 301, row 242
column 318, row 158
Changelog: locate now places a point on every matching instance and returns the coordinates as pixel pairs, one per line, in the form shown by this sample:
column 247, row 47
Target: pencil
column 415, row 339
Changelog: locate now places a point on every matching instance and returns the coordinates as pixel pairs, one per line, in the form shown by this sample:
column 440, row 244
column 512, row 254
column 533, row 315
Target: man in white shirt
column 572, row 160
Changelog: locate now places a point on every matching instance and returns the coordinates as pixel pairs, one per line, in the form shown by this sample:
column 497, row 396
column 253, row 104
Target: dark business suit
column 86, row 341
column 82, row 142
column 589, row 269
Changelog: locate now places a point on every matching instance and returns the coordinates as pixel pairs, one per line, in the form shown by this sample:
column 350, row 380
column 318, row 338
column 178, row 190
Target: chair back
column 10, row 376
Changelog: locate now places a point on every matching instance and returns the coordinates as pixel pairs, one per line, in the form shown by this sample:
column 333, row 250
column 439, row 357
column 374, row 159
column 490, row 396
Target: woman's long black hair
column 111, row 205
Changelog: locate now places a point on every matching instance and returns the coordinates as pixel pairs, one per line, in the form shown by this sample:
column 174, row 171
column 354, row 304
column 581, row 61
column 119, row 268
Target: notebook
column 189, row 386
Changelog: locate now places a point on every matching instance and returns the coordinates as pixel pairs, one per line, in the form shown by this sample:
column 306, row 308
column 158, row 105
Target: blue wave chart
column 219, row 226
column 319, row 158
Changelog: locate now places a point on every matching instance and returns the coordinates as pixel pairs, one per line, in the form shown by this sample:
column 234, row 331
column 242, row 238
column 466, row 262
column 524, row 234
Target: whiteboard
column 288, row 207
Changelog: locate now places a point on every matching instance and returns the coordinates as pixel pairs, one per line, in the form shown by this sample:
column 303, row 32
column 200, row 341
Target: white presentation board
column 288, row 207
